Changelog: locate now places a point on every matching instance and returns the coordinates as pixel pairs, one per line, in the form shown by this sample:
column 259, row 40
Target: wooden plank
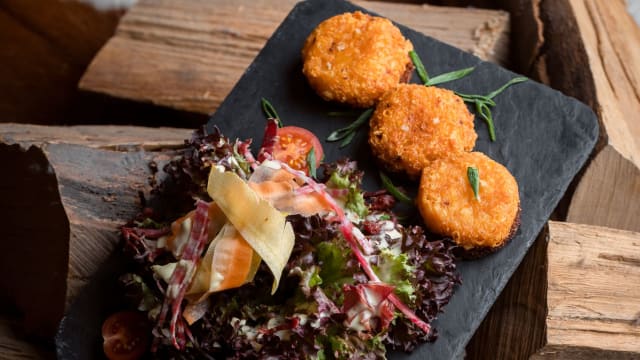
column 14, row 346
column 188, row 55
column 65, row 203
column 107, row 137
column 593, row 294
column 592, row 52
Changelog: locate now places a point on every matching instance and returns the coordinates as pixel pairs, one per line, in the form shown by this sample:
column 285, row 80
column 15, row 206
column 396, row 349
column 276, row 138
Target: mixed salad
column 283, row 256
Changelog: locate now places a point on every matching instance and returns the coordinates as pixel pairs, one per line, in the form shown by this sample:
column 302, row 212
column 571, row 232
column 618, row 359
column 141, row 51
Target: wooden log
column 65, row 203
column 46, row 48
column 106, row 137
column 593, row 295
column 14, row 346
column 592, row 52
column 188, row 55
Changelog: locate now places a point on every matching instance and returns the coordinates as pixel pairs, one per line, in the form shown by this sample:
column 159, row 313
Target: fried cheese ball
column 354, row 58
column 448, row 206
column 415, row 124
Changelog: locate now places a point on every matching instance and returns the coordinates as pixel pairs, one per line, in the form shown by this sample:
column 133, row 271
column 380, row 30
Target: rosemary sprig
column 346, row 134
column 270, row 111
column 311, row 162
column 393, row 190
column 474, row 180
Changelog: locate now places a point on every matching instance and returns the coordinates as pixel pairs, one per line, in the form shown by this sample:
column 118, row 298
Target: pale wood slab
column 593, row 295
column 609, row 192
column 189, row 54
column 592, row 52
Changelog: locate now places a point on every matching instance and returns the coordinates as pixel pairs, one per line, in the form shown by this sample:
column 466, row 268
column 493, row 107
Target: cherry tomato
column 294, row 145
column 126, row 335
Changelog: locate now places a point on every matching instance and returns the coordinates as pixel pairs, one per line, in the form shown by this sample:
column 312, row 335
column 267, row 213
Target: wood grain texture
column 107, row 137
column 65, row 203
column 189, row 54
column 601, row 37
column 13, row 346
column 593, row 294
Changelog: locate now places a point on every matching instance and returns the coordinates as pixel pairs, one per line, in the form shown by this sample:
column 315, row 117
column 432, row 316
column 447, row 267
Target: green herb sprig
column 311, row 162
column 393, row 190
column 483, row 103
column 439, row 79
column 270, row 111
column 346, row 134
column 474, row 180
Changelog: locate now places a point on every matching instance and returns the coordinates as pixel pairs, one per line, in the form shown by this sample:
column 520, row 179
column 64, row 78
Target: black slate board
column 544, row 138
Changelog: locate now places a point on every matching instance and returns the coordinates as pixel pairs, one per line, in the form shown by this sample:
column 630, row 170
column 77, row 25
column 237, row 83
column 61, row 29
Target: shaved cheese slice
column 279, row 187
column 259, row 223
column 164, row 271
column 232, row 260
column 195, row 311
column 181, row 228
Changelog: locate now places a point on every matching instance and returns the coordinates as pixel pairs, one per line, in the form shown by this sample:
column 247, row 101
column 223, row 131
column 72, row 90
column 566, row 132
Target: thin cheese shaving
column 260, row 224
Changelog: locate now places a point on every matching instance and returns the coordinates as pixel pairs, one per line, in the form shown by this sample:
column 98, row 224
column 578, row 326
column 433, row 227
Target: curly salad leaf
column 317, row 295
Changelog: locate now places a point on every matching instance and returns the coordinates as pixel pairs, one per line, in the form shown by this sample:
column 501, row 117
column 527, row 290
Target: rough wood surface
column 13, row 345
column 107, row 137
column 601, row 37
column 593, row 293
column 65, row 203
column 188, row 55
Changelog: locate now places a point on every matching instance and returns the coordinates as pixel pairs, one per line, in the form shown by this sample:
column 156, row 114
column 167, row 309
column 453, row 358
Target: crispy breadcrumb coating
column 447, row 204
column 415, row 124
column 354, row 58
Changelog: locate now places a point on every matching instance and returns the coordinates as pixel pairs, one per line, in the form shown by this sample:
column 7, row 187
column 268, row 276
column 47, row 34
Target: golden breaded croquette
column 354, row 58
column 415, row 124
column 448, row 206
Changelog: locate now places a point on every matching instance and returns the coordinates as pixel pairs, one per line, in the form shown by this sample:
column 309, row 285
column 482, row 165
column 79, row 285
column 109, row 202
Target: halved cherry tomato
column 126, row 335
column 293, row 147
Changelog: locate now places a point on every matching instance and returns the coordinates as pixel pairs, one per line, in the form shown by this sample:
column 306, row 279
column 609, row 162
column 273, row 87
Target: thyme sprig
column 346, row 134
column 270, row 111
